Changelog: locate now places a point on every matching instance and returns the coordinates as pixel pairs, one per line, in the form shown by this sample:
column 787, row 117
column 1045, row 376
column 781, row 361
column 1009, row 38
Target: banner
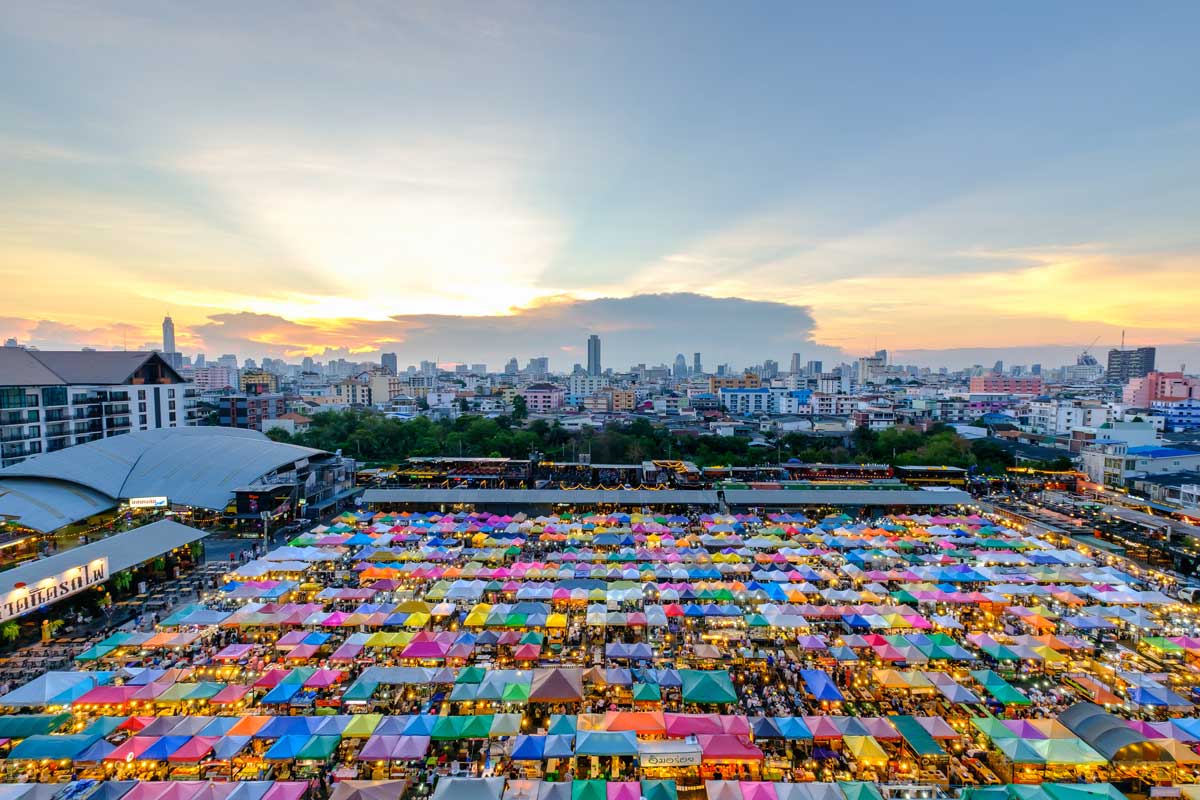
column 23, row 599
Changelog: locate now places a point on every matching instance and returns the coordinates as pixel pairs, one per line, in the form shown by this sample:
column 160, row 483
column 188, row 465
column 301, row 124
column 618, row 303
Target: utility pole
column 266, row 520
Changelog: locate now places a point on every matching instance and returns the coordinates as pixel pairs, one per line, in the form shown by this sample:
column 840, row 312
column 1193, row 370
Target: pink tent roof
column 133, row 747
column 230, row 694
column 286, row 790
column 823, row 728
column 323, row 677
column 689, row 724
column 726, row 747
column 234, row 652
column 758, row 790
column 624, row 790
column 107, row 695
column 194, row 749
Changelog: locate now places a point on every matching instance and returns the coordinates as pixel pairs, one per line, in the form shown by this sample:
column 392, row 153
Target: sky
column 469, row 182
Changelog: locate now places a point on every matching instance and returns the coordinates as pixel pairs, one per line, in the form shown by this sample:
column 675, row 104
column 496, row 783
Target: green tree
column 520, row 407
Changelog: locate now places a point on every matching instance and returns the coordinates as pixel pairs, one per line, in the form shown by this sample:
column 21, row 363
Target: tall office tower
column 815, row 367
column 388, row 362
column 170, row 355
column 512, row 367
column 1035, row 369
column 680, row 370
column 795, row 366
column 199, row 362
column 696, row 368
column 593, row 359
column 1126, row 364
column 168, row 335
column 770, row 369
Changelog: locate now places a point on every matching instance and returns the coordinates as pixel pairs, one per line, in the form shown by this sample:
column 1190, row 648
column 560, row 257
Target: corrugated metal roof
column 48, row 505
column 641, row 497
column 649, row 497
column 192, row 466
column 778, row 498
column 124, row 550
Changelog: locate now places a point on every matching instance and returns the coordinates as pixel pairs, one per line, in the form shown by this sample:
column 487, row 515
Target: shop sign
column 22, row 599
column 147, row 502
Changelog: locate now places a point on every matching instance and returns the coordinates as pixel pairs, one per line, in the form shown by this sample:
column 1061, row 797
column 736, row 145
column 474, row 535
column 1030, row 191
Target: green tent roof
column 707, row 686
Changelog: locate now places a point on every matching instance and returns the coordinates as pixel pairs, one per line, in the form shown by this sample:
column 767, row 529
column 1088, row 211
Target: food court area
column 620, row 656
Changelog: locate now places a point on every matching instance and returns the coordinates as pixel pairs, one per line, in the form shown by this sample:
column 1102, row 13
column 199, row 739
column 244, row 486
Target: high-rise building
column 593, row 358
column 770, row 369
column 388, row 362
column 199, row 361
column 680, row 370
column 512, row 367
column 168, row 327
column 815, row 367
column 169, row 353
column 795, row 365
column 697, row 369
column 1126, row 364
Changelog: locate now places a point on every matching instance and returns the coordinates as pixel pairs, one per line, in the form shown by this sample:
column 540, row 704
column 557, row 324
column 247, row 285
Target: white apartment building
column 1059, row 417
column 583, row 385
column 51, row 400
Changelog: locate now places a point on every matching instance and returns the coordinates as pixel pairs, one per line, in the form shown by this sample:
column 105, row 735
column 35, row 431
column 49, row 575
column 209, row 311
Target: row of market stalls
column 943, row 651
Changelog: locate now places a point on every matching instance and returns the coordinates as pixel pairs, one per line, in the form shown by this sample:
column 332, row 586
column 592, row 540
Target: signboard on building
column 23, row 599
column 147, row 502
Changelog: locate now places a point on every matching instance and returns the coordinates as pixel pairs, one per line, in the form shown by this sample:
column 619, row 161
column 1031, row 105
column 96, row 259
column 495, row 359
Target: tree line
column 374, row 438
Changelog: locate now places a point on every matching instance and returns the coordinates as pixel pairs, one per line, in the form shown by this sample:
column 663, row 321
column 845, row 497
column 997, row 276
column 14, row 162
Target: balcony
column 58, row 429
column 87, row 427
column 16, row 436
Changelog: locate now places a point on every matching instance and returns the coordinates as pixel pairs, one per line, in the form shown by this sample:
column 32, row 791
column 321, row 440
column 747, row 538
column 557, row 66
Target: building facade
column 1126, row 364
column 1007, row 384
column 250, row 411
column 51, row 400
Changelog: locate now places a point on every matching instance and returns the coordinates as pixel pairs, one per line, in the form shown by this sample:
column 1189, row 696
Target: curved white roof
column 193, row 466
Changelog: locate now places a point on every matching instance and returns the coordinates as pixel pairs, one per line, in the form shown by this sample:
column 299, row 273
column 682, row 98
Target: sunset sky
column 460, row 180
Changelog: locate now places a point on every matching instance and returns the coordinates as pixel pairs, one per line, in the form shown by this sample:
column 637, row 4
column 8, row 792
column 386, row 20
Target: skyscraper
column 1126, row 364
column 170, row 355
column 593, row 358
column 680, row 370
column 388, row 362
column 696, row 368
column 796, row 364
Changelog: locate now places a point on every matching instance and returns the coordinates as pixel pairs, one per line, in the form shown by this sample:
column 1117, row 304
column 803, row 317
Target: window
column 171, row 416
column 170, row 392
column 142, row 420
column 141, row 408
column 141, row 394
column 54, row 396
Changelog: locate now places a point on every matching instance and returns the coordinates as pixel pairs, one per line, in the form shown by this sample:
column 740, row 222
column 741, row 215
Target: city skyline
column 1022, row 183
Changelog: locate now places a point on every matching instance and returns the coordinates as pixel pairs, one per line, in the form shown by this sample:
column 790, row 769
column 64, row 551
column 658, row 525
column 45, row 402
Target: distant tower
column 680, row 370
column 169, row 353
column 593, row 356
column 696, row 369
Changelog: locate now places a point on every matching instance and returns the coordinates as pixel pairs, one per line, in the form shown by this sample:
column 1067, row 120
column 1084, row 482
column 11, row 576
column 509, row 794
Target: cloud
column 47, row 334
column 649, row 328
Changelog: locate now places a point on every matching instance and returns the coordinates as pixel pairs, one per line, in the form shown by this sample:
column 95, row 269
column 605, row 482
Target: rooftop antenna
column 1122, row 339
